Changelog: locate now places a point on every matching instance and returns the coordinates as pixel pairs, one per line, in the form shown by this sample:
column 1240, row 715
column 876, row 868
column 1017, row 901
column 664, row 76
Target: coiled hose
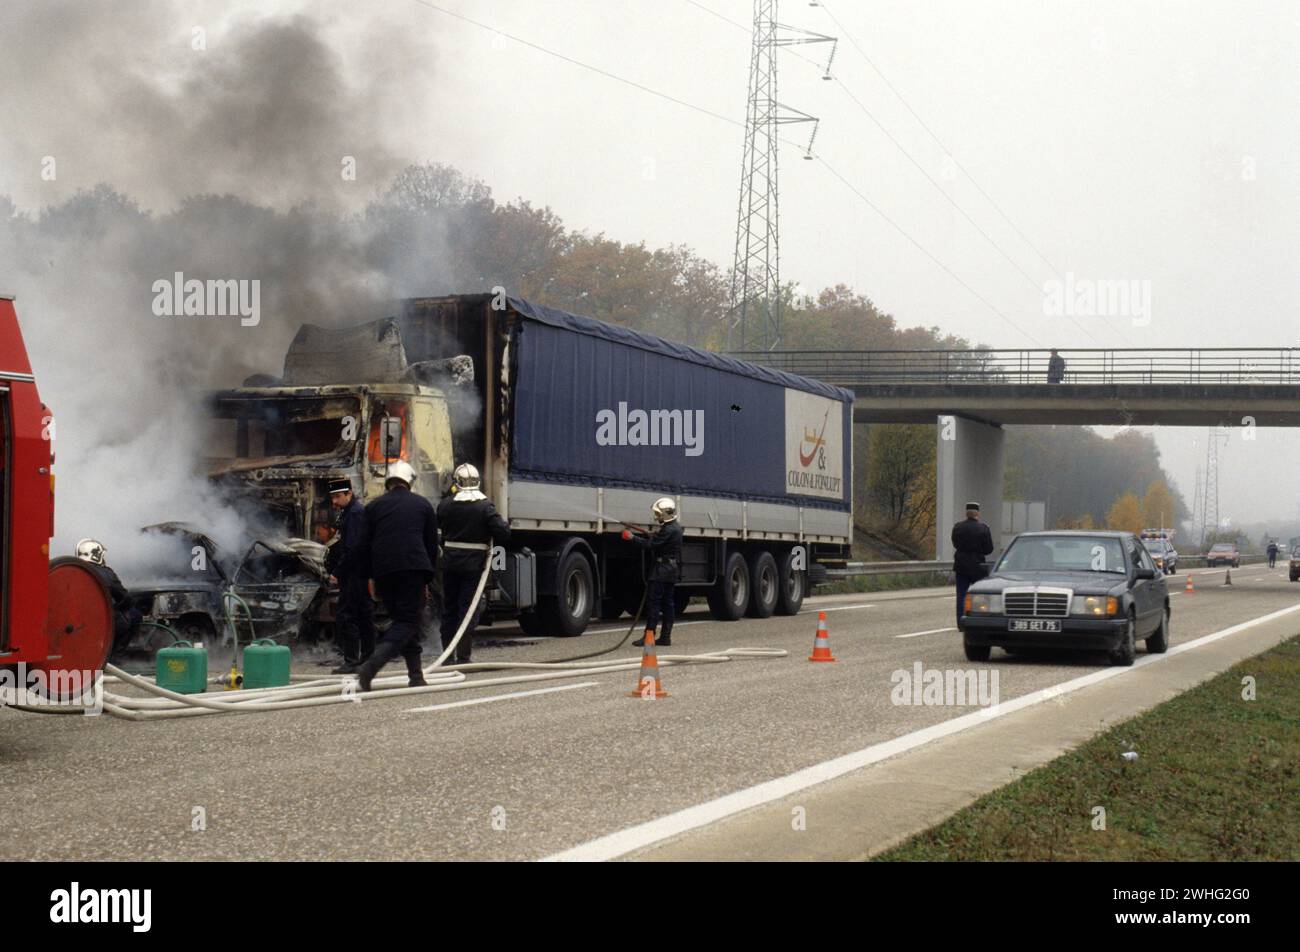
column 161, row 703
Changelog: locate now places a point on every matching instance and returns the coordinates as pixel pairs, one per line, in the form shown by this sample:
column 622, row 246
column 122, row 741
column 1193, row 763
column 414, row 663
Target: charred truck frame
column 576, row 426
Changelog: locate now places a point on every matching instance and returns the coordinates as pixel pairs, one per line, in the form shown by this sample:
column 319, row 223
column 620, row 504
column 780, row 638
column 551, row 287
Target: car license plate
column 1034, row 624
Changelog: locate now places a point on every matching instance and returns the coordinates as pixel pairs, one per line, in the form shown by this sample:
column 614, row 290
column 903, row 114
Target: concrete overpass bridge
column 972, row 394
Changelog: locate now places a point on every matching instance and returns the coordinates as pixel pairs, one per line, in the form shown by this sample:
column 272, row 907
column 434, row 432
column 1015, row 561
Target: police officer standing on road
column 469, row 524
column 355, row 618
column 1272, row 553
column 665, row 545
column 971, row 541
column 399, row 550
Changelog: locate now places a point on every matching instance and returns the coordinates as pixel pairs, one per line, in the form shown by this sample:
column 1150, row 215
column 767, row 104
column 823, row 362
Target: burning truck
column 576, row 426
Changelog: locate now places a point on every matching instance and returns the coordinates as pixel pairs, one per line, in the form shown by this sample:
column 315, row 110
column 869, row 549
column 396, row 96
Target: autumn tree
column 1158, row 506
column 1125, row 514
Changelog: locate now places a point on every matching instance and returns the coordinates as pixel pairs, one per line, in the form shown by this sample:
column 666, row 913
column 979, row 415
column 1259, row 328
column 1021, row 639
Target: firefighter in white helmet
column 126, row 618
column 399, row 550
column 665, row 545
column 470, row 524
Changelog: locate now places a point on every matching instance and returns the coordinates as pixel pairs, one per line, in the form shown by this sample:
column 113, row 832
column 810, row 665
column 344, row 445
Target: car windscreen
column 1223, row 548
column 1064, row 554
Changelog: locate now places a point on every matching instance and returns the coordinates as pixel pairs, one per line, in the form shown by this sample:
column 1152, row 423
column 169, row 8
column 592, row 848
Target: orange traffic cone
column 1189, row 589
column 822, row 643
column 648, row 685
column 1227, row 577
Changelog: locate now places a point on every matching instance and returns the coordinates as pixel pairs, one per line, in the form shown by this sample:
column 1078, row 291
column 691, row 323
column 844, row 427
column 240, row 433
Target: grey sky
column 1149, row 141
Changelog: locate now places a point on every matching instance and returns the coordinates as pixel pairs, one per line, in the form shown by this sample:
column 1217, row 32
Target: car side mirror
column 1146, row 573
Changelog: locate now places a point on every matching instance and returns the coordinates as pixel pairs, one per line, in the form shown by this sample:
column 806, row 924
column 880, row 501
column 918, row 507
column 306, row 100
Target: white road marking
column 637, row 837
column 501, row 697
column 918, row 634
column 836, row 608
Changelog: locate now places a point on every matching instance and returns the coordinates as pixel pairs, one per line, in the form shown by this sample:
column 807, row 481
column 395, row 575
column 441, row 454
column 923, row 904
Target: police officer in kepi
column 971, row 541
column 469, row 524
column 665, row 545
column 399, row 550
column 354, row 619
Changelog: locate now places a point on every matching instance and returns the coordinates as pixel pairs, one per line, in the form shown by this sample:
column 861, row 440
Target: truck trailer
column 577, row 426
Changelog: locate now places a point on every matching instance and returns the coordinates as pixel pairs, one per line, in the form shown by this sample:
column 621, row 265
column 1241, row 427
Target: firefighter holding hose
column 665, row 545
column 470, row 524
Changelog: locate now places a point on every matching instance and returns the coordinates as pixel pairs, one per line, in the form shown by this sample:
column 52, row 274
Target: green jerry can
column 183, row 668
column 266, row 664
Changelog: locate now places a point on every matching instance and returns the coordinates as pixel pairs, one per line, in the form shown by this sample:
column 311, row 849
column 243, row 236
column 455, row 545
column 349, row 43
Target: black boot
column 385, row 651
column 414, row 668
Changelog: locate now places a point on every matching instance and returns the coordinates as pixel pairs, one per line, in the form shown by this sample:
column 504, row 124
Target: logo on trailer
column 814, row 460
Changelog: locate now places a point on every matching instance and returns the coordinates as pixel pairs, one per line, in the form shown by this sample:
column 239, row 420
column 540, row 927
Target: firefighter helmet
column 466, row 477
column 664, row 509
column 400, row 470
column 92, row 551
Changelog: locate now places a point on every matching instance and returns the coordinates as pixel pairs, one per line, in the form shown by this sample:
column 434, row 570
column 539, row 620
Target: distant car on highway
column 1295, row 564
column 1164, row 554
column 1223, row 553
column 1090, row 591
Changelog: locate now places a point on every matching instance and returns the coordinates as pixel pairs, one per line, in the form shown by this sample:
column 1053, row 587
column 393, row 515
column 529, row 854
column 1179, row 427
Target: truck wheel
column 568, row 613
column 764, row 586
column 729, row 596
column 793, row 585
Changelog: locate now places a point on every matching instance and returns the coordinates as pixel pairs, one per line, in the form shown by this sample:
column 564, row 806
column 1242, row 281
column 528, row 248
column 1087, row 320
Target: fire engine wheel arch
column 79, row 624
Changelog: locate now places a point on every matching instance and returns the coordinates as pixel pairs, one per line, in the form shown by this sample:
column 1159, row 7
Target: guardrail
column 1173, row 365
column 854, row 569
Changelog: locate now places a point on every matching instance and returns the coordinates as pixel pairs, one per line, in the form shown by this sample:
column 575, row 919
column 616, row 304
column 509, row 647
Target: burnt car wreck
column 279, row 589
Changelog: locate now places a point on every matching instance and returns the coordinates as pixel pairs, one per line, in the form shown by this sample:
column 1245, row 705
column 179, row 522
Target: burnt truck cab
column 278, row 447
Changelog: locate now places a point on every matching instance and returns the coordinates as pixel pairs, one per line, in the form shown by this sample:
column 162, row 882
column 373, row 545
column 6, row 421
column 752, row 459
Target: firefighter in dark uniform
column 399, row 550
column 126, row 618
column 469, row 524
column 354, row 619
column 665, row 545
column 971, row 541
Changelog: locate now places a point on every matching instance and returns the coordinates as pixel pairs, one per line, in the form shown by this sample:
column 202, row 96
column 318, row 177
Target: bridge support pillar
column 969, row 466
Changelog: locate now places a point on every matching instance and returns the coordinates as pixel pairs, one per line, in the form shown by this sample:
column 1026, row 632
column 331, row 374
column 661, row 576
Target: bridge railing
column 1172, row 365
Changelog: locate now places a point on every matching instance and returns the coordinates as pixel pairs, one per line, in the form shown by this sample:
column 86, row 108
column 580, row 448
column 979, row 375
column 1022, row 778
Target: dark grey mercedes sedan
column 1085, row 590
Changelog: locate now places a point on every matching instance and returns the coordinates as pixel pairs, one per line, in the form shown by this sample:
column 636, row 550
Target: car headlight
column 1095, row 606
column 983, row 604
column 1160, row 563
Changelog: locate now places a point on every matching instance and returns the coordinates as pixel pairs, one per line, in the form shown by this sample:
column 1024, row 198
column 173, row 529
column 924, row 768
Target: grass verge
column 1217, row 778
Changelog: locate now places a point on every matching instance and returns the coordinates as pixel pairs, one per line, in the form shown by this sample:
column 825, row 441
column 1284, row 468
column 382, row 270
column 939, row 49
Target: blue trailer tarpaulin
column 604, row 405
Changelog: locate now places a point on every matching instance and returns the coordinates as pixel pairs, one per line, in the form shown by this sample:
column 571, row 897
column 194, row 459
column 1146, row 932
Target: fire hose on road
column 161, row 703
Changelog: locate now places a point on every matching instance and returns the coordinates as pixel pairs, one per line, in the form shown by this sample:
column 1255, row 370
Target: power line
column 956, row 277
column 580, row 64
column 1032, row 281
column 935, row 136
column 716, row 115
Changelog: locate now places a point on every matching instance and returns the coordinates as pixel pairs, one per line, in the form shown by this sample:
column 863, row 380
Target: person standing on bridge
column 971, row 541
column 1055, row 368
